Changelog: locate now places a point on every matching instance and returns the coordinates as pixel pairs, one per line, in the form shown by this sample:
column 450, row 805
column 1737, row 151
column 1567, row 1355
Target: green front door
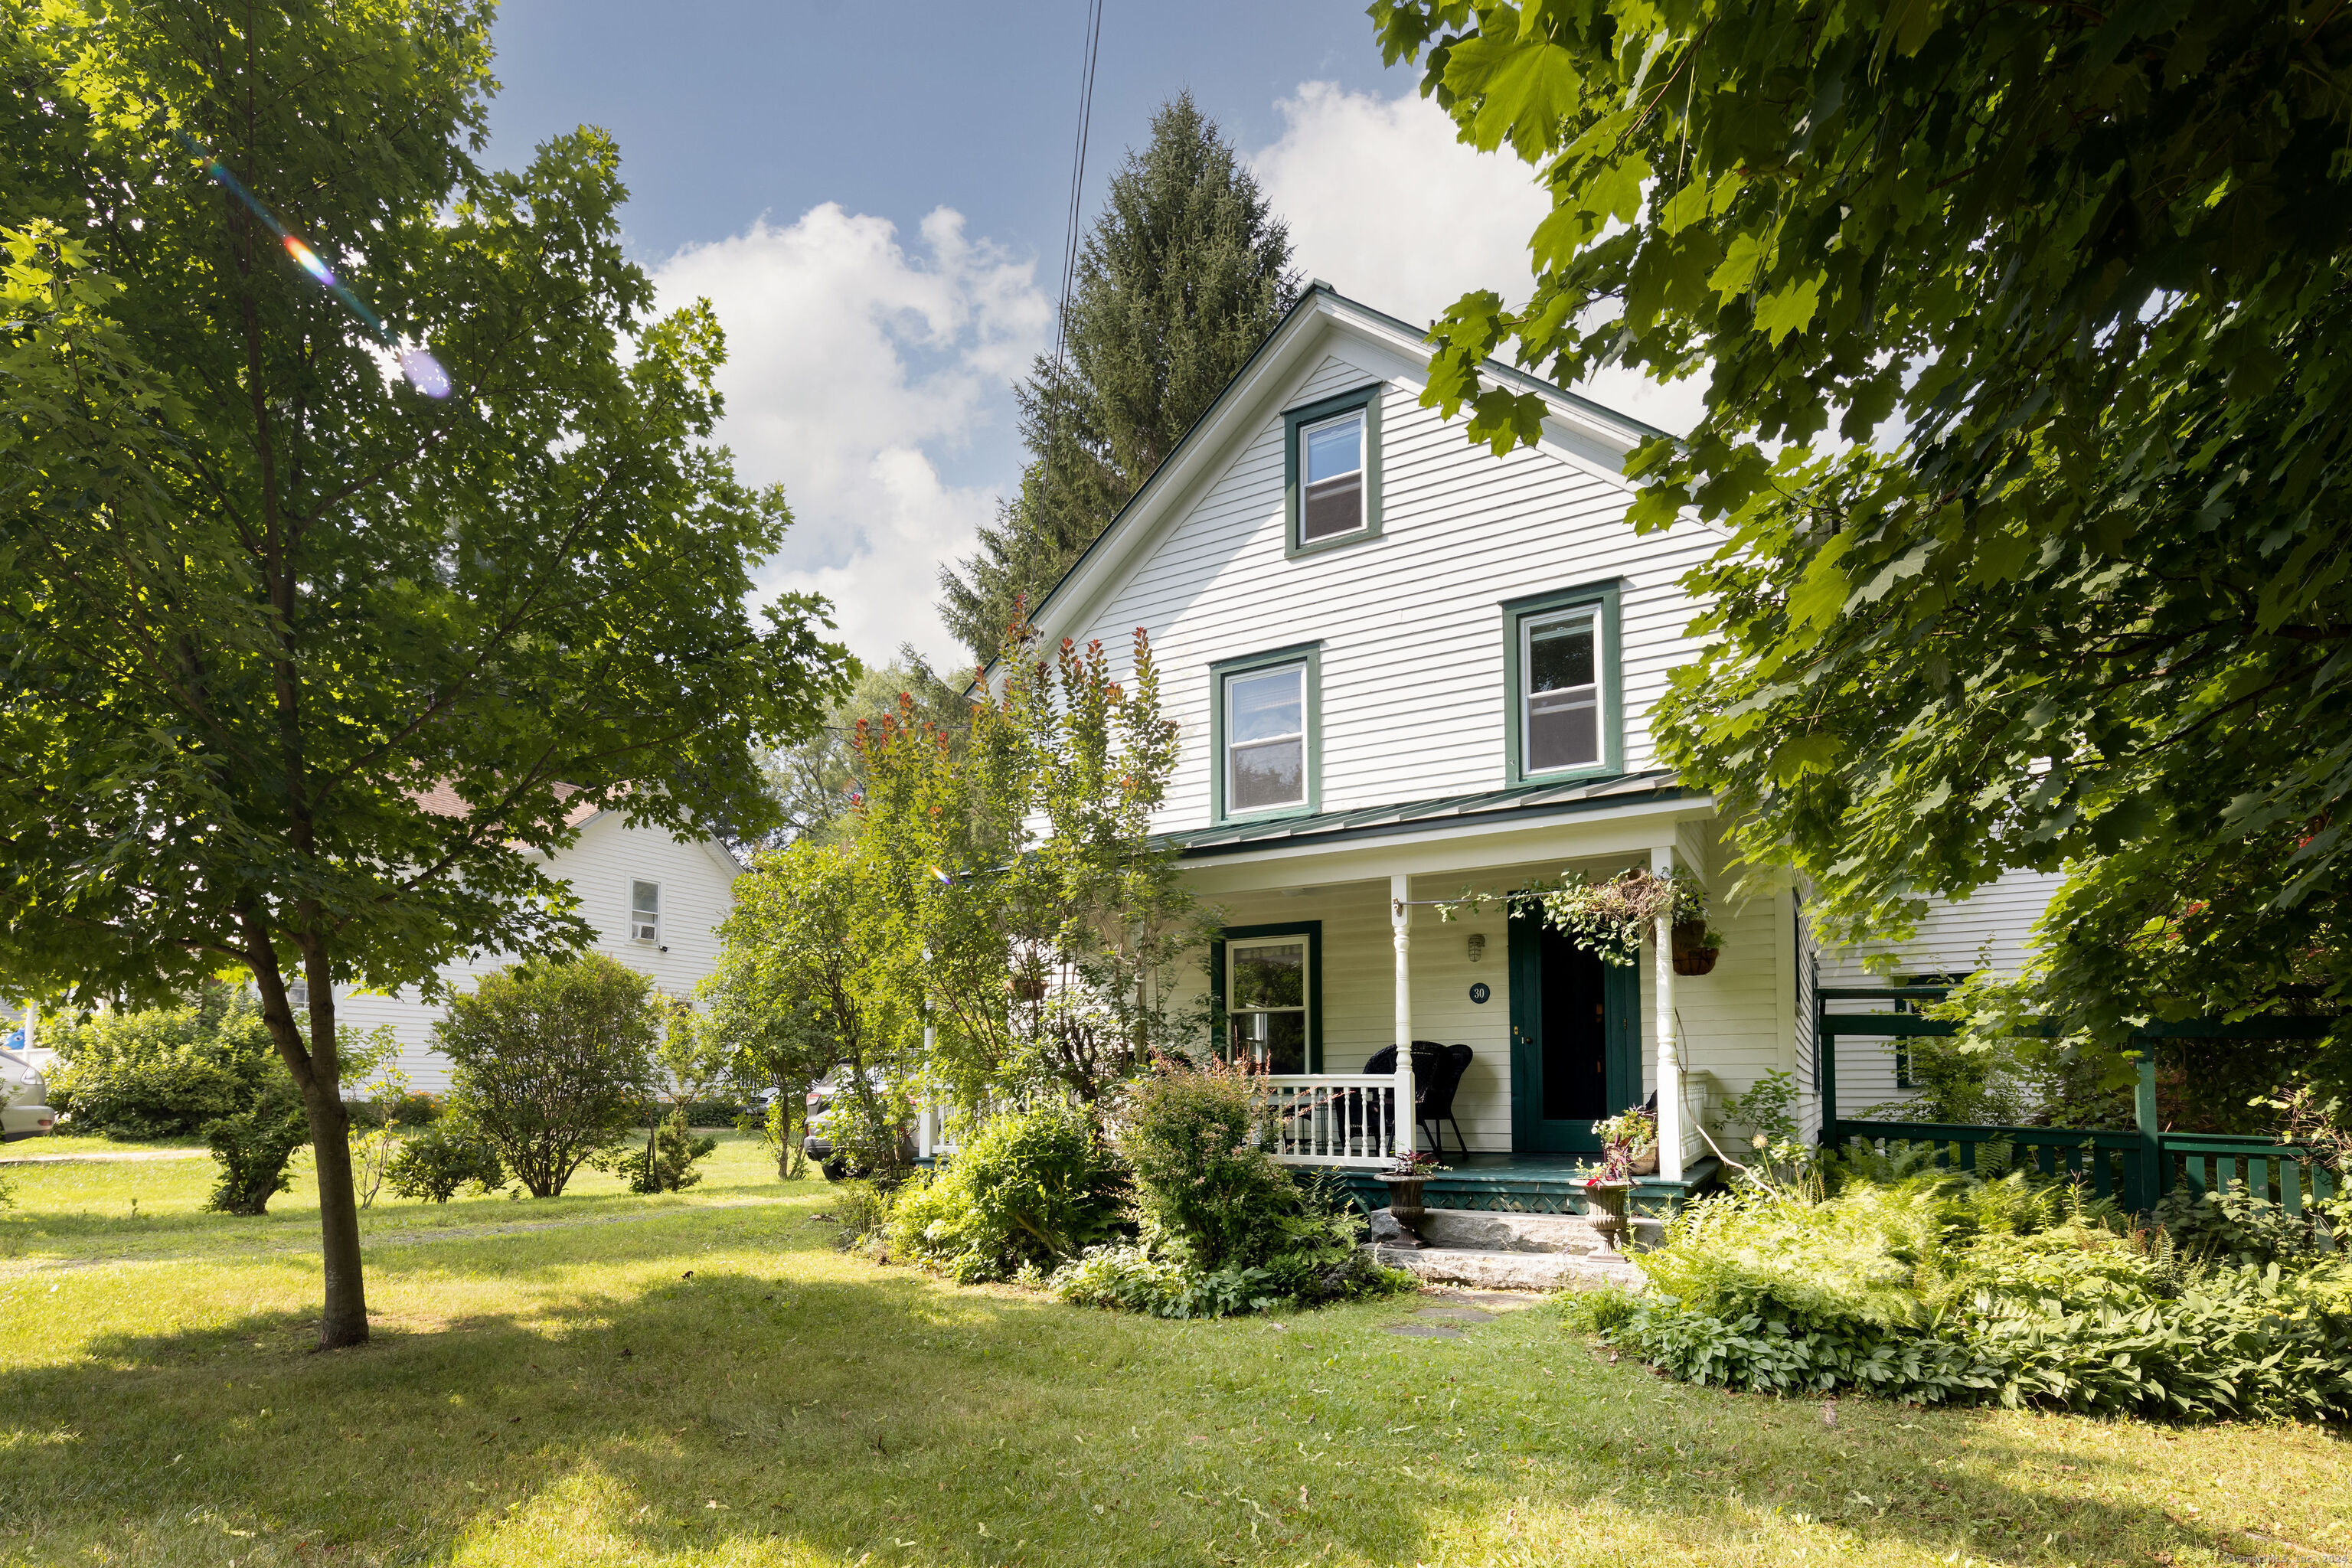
column 1575, row 1048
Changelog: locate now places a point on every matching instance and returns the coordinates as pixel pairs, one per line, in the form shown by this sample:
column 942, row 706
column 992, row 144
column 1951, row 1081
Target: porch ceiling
column 1501, row 809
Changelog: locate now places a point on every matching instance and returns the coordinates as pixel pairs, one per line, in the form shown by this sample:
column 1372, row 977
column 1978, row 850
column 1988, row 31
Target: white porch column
column 1670, row 1067
column 1401, row 924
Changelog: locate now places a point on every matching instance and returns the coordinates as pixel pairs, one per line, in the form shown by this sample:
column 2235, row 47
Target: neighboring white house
column 1404, row 667
column 656, row 901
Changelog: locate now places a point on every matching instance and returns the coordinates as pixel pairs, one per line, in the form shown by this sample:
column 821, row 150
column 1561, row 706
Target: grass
column 700, row 1379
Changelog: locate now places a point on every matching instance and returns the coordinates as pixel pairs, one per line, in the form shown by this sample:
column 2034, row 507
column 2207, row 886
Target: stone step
column 1495, row 1230
column 1495, row 1270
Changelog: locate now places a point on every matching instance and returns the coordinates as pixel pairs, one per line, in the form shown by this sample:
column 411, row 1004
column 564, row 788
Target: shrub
column 1945, row 1288
column 1200, row 1142
column 2230, row 1224
column 1224, row 1227
column 864, row 1218
column 163, row 1072
column 552, row 1062
column 253, row 1148
column 666, row 1163
column 1033, row 1188
column 437, row 1161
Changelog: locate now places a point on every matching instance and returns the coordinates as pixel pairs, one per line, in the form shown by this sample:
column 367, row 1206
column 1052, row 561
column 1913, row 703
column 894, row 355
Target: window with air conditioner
column 645, row 912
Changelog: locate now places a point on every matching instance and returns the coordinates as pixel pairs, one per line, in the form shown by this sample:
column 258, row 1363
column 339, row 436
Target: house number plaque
column 1479, row 993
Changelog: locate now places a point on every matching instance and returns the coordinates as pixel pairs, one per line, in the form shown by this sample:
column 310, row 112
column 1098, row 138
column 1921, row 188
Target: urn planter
column 1405, row 1205
column 1605, row 1210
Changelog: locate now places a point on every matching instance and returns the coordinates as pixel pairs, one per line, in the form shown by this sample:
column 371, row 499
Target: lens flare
column 424, row 373
column 310, row 261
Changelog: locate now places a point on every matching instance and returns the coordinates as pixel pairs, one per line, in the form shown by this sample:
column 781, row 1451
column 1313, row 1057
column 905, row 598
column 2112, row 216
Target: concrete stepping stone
column 1456, row 1314
column 1422, row 1330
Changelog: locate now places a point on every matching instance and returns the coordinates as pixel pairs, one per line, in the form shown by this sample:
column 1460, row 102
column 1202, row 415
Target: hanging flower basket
column 1026, row 988
column 1696, row 947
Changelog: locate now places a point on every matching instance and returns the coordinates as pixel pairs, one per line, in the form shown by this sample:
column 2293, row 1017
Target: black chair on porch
column 1437, row 1073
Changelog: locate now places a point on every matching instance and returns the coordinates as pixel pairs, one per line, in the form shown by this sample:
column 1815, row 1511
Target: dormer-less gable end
column 1355, row 610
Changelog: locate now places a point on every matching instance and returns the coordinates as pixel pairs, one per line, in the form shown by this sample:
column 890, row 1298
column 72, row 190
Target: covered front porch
column 1335, row 961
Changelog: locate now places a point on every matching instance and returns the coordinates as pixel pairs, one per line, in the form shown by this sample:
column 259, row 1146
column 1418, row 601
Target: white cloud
column 1387, row 208
column 853, row 368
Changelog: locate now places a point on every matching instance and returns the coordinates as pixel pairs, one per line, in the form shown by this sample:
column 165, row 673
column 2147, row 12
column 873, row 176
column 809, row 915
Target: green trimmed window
column 1266, row 750
column 1564, row 718
column 1331, row 471
column 1269, row 982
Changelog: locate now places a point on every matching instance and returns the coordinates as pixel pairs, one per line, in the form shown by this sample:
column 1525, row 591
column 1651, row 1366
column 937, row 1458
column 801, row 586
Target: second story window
column 1265, row 745
column 1561, row 714
column 1333, row 502
column 1331, row 472
column 1267, row 750
column 1562, row 719
column 645, row 912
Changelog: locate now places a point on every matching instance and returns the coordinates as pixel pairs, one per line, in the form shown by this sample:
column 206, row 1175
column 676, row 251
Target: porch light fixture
column 1477, row 945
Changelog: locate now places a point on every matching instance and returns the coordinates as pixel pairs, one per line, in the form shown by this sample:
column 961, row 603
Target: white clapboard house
column 655, row 899
column 1405, row 668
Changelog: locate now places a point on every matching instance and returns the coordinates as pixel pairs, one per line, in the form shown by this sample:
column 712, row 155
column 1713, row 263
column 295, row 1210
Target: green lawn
column 700, row 1379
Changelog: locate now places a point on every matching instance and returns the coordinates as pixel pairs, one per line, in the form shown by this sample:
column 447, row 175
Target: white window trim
column 654, row 940
column 1590, row 616
column 1296, row 669
column 1362, row 471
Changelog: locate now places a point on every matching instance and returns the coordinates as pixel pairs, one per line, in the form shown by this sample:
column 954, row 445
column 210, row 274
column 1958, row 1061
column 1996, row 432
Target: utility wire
column 1077, row 179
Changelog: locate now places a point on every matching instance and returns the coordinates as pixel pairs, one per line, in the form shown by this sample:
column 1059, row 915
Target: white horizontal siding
column 1412, row 704
column 697, row 891
column 1991, row 929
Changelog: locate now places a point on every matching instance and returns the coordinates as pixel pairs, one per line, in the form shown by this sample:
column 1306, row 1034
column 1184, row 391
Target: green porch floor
column 1530, row 1184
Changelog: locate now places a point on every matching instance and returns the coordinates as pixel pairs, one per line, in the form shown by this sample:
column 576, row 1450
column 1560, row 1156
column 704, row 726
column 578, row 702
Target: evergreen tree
column 1186, row 271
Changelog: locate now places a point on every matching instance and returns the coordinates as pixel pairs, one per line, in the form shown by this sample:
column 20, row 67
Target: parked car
column 837, row 1164
column 22, row 1092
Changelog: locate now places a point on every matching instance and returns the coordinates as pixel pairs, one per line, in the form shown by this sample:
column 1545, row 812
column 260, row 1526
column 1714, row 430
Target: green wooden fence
column 2136, row 1167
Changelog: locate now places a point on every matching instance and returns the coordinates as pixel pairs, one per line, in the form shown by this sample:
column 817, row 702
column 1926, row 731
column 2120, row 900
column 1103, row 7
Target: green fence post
column 2151, row 1144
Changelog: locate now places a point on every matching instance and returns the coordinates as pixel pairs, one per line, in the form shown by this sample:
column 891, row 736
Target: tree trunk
column 343, row 1320
column 317, row 1072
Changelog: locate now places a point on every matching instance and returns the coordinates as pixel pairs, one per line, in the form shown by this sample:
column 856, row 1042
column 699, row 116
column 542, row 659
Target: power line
column 1077, row 179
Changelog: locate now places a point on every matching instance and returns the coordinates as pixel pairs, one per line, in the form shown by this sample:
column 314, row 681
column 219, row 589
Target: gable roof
column 1579, row 420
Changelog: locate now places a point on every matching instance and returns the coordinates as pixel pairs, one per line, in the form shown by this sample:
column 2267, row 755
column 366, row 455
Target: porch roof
column 1413, row 817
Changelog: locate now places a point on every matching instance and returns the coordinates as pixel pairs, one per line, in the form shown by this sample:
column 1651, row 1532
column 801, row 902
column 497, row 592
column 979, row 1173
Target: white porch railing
column 1338, row 1119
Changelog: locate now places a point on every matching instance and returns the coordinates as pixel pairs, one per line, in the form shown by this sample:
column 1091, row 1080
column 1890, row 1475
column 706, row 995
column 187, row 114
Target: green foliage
column 2026, row 419
column 253, row 1147
column 1941, row 1288
column 1052, row 961
column 1324, row 1265
column 666, row 1163
column 310, row 672
column 817, row 779
column 814, row 976
column 861, row 1212
column 1032, row 1188
column 1198, row 1142
column 1182, row 277
column 551, row 1062
column 2232, row 1226
column 447, row 1156
column 163, row 1072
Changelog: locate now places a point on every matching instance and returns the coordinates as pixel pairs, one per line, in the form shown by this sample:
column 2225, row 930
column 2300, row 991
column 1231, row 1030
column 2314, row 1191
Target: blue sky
column 874, row 199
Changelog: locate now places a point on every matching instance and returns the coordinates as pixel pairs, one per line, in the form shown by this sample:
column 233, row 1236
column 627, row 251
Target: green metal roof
column 1413, row 817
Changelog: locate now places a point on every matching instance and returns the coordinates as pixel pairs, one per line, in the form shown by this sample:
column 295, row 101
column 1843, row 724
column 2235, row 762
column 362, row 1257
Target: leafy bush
column 864, row 1216
column 666, row 1163
column 2232, row 1226
column 1945, row 1288
column 253, row 1148
column 1224, row 1227
column 445, row 1156
column 552, row 1062
column 163, row 1072
column 1322, row 1263
column 1200, row 1142
column 1033, row 1188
